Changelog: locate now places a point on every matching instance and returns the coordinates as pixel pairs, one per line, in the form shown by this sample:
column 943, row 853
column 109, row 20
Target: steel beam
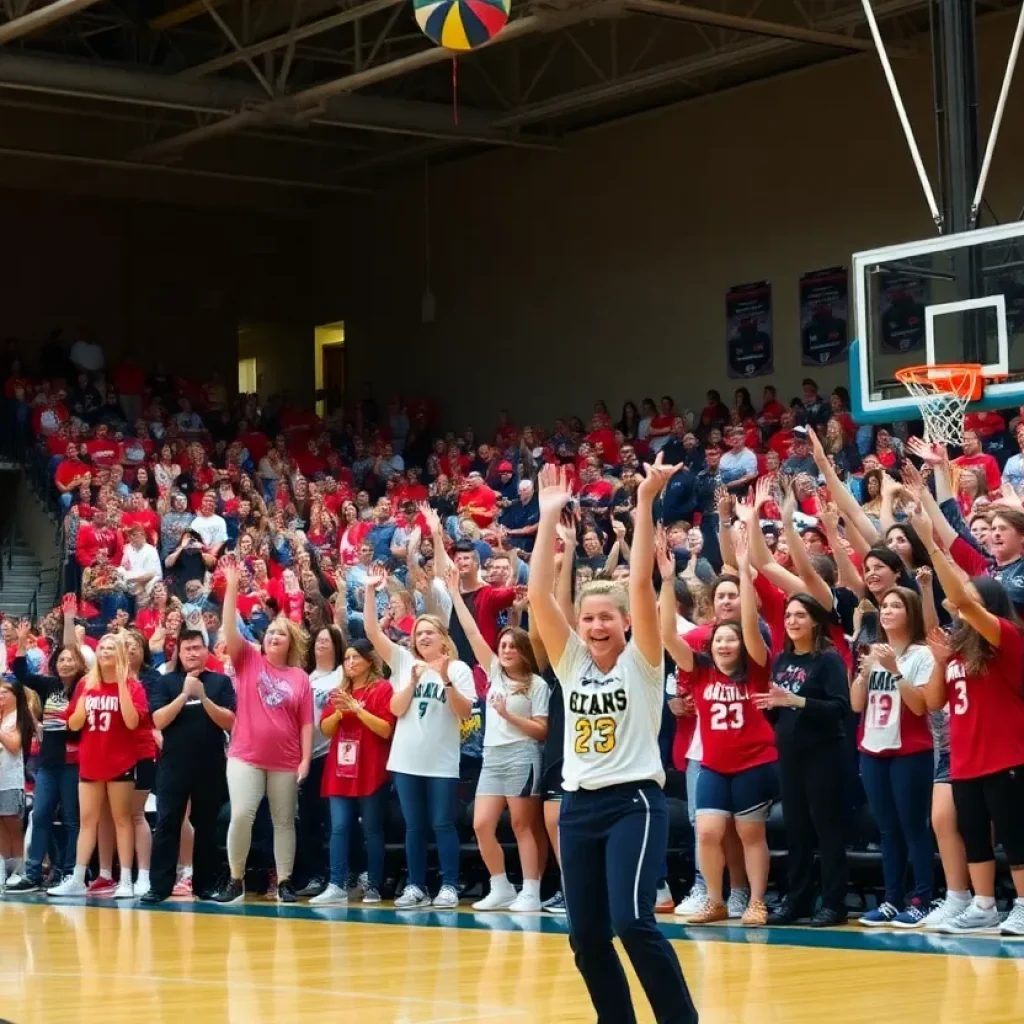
column 314, row 28
column 754, row 26
column 41, row 18
column 675, row 71
column 300, row 102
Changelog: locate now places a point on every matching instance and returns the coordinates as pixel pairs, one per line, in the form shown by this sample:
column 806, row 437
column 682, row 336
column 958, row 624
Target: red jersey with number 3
column 108, row 747
column 986, row 711
column 734, row 732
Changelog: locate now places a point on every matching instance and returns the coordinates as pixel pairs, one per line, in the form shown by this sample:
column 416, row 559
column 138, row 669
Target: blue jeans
column 53, row 786
column 899, row 793
column 345, row 812
column 692, row 773
column 429, row 803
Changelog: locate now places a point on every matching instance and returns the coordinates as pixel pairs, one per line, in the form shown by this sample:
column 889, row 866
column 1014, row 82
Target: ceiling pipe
column 41, row 18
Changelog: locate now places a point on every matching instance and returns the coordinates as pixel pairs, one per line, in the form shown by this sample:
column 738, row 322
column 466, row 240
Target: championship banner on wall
column 902, row 299
column 824, row 316
column 748, row 329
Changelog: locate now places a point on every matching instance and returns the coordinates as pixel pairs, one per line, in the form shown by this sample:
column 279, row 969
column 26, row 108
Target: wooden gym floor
column 95, row 962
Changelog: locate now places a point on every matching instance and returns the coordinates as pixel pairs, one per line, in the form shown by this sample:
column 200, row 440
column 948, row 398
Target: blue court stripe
column 851, row 937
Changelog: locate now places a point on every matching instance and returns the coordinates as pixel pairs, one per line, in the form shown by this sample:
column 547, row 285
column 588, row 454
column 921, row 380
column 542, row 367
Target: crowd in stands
column 302, row 617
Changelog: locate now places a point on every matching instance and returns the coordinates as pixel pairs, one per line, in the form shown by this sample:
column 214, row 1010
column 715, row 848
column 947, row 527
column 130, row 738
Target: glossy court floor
column 258, row 963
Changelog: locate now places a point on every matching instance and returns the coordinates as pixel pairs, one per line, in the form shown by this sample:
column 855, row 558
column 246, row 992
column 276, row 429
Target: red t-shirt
column 485, row 604
column 685, row 726
column 986, row 424
column 357, row 761
column 484, row 502
column 256, row 443
column 108, row 747
column 985, row 462
column 604, row 442
column 772, row 412
column 147, row 620
column 734, row 733
column 68, row 470
column 147, row 519
column 986, row 711
column 970, row 559
column 103, row 451
column 781, row 442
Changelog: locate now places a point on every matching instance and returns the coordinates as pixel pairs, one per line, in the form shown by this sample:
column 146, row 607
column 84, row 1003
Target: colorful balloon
column 461, row 24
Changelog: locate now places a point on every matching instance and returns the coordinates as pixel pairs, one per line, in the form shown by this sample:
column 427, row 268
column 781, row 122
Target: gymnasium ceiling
column 315, row 97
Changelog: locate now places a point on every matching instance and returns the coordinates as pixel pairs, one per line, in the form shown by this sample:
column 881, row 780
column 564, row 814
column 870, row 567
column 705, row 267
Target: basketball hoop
column 942, row 392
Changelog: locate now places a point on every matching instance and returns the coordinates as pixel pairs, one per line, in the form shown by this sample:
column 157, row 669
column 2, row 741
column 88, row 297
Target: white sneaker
column 497, row 899
column 69, row 887
column 447, row 898
column 737, row 903
column 412, row 898
column 973, row 920
column 124, row 891
column 1014, row 923
column 525, row 904
column 696, row 899
column 14, row 879
column 945, row 910
column 139, row 889
column 332, row 896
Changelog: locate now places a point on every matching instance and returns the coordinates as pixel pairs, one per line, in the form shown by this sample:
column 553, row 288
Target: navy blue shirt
column 518, row 515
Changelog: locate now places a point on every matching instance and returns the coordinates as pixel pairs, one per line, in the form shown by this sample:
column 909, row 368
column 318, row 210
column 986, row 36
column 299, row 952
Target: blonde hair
column 298, row 641
column 612, row 589
column 93, row 679
column 449, row 644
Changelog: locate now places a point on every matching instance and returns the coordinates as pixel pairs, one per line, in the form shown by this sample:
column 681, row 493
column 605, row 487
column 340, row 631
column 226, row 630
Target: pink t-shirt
column 273, row 706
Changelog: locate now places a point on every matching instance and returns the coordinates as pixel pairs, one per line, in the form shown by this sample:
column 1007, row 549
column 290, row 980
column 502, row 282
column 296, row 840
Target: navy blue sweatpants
column 613, row 841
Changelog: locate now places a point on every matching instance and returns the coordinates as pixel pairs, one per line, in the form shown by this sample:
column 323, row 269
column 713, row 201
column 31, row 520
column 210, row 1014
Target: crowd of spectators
column 302, row 582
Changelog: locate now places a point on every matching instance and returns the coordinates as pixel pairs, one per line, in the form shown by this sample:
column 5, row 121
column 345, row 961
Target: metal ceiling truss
column 252, row 67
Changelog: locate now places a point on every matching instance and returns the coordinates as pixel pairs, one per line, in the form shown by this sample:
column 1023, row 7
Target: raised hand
column 922, row 525
column 69, row 605
column 789, row 506
column 656, row 475
column 1008, row 498
column 817, row 452
column 746, row 511
column 829, row 517
column 553, row 489
column 913, row 482
column 925, row 578
column 741, row 545
column 566, row 534
column 763, row 491
column 451, row 577
column 886, row 657
column 229, row 566
column 664, row 559
column 619, row 529
column 376, row 581
column 933, row 454
column 889, row 486
column 940, row 646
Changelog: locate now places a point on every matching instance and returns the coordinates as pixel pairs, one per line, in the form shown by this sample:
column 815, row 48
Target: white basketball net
column 942, row 396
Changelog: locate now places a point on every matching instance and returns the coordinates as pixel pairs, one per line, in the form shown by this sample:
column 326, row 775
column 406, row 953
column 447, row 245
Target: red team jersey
column 108, row 747
column 986, row 711
column 357, row 761
column 734, row 733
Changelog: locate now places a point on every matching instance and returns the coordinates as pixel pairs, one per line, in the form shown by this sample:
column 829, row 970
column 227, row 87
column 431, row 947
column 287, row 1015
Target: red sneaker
column 183, row 887
column 102, row 887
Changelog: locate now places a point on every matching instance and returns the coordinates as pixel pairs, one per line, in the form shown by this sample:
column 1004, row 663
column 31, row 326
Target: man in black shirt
column 193, row 708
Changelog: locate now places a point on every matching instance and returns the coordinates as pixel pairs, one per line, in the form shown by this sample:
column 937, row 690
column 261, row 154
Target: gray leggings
column 246, row 788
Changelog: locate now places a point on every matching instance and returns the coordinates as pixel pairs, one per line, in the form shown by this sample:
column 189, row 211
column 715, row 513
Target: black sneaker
column 313, row 887
column 555, row 905
column 233, row 891
column 785, row 913
column 23, row 885
column 152, row 897
column 828, row 917
column 286, row 891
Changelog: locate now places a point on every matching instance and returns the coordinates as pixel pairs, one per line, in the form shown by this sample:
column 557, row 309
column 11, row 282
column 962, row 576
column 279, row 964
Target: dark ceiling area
column 318, row 97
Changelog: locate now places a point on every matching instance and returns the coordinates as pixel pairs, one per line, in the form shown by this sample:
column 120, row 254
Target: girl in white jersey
column 613, row 825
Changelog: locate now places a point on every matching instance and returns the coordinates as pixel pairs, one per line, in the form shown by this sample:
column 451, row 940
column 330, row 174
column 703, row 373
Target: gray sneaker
column 1014, row 923
column 412, row 898
column 447, row 898
column 972, row 921
column 371, row 895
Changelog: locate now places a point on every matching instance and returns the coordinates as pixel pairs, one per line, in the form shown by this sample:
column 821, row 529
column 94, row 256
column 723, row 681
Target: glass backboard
column 949, row 299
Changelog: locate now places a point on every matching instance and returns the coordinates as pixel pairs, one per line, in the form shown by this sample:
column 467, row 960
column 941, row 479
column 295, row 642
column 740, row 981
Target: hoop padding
column 942, row 393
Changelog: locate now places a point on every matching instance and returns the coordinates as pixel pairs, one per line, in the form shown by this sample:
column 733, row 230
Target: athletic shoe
column 945, row 910
column 663, row 902
column 356, row 885
column 756, row 914
column 151, row 898
column 447, row 898
column 555, row 905
column 1014, row 923
column 883, row 914
column 973, row 920
column 737, row 903
column 912, row 917
column 525, row 904
column 412, row 898
column 371, row 895
column 102, row 887
column 232, row 891
column 183, row 886
column 693, row 902
column 710, row 913
column 69, row 887
column 785, row 913
column 286, row 891
column 23, row 885
column 125, row 890
column 332, row 896
column 271, row 885
column 313, row 887
column 14, row 879
column 829, row 917
column 499, row 898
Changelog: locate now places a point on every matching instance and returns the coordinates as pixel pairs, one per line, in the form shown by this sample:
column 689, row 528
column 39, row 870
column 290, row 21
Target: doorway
column 329, row 345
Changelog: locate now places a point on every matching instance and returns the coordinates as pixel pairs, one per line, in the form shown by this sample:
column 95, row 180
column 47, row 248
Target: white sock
column 185, row 872
column 960, row 897
column 499, row 883
column 79, row 874
column 1019, row 901
column 985, row 902
column 126, row 877
column 143, row 879
column 531, row 887
column 107, row 873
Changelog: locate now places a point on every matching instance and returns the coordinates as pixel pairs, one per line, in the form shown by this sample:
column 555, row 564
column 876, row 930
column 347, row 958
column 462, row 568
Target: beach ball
column 461, row 24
